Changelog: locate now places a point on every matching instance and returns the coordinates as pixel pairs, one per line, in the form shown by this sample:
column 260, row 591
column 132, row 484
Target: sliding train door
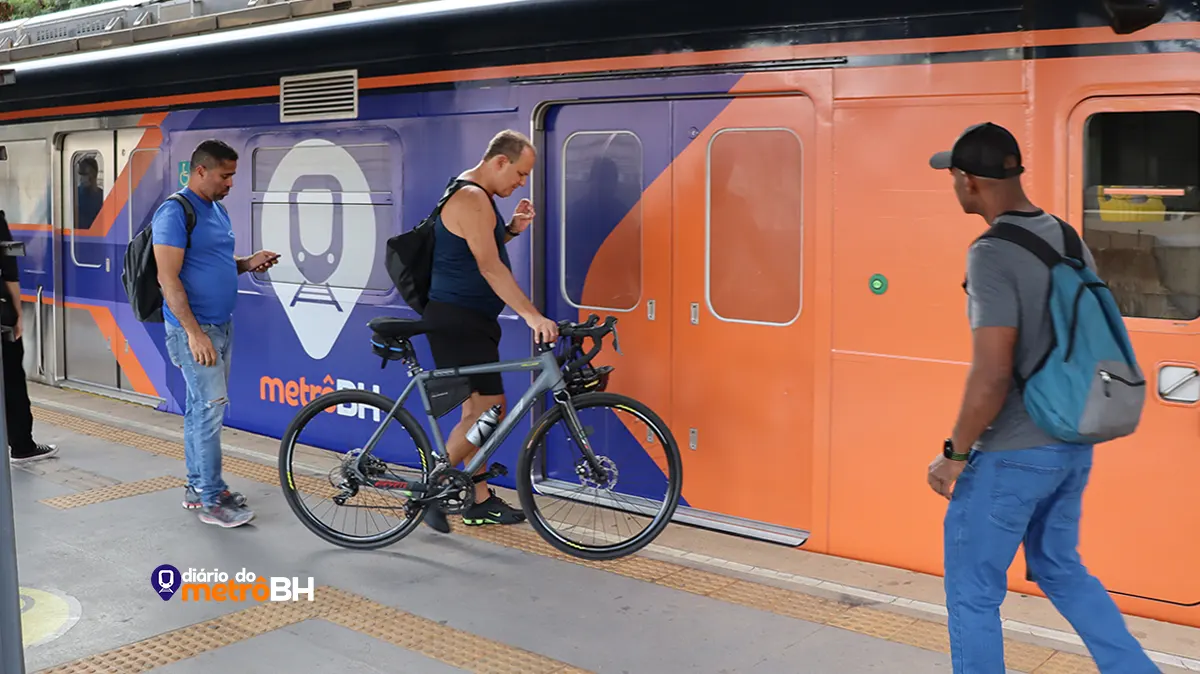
column 89, row 165
column 685, row 219
column 741, row 321
column 1134, row 184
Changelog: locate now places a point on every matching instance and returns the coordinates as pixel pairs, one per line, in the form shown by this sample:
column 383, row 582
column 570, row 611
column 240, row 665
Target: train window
column 1142, row 209
column 89, row 187
column 25, row 194
column 326, row 209
column 602, row 220
column 755, row 225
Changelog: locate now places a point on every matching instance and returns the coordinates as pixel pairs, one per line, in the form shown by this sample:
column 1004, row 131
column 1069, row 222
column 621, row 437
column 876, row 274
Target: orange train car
column 746, row 187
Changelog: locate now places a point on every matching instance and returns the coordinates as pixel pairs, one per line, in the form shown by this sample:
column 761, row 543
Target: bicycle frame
column 549, row 379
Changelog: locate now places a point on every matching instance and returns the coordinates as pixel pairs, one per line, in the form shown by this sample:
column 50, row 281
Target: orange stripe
column 130, row 365
column 153, row 102
column 1168, row 31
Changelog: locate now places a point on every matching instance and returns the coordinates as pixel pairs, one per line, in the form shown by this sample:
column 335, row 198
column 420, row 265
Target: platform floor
column 95, row 521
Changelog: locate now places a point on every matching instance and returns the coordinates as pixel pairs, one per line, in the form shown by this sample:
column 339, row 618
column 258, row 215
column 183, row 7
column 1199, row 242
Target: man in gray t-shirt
column 1007, row 288
column 1012, row 482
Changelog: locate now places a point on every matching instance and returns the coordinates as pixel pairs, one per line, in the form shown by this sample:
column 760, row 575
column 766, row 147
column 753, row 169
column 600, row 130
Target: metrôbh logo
column 216, row 585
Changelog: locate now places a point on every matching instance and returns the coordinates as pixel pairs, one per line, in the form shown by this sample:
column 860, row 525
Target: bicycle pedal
column 495, row 470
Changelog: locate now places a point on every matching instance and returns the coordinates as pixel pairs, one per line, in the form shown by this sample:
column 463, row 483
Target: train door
column 89, row 164
column 142, row 182
column 742, row 325
column 685, row 220
column 1134, row 184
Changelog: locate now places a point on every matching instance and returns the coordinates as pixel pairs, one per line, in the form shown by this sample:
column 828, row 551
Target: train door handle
column 107, row 265
column 1179, row 384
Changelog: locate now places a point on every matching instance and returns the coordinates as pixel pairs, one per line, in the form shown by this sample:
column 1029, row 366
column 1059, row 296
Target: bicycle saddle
column 397, row 328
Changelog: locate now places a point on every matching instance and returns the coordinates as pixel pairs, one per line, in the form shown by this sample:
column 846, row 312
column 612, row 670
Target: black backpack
column 409, row 256
column 140, row 276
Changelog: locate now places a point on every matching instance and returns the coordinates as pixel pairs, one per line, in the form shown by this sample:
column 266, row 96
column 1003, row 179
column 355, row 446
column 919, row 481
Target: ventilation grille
column 305, row 98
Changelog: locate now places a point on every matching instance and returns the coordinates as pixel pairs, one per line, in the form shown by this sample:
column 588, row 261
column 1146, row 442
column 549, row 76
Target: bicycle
column 576, row 386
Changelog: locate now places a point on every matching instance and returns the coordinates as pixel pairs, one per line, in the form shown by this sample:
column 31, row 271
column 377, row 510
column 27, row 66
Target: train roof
column 130, row 49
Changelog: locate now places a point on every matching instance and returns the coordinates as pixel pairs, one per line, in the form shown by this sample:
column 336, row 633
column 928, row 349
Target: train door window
column 601, row 252
column 327, row 209
column 755, row 225
column 25, row 194
column 1141, row 207
column 89, row 187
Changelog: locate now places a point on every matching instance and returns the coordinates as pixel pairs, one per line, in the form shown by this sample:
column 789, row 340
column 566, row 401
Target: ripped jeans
column 1032, row 496
column 204, row 412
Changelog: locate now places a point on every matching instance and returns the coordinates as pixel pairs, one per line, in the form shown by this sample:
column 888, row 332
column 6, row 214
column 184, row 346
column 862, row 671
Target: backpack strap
column 1026, row 239
column 1035, row 244
column 453, row 186
column 189, row 213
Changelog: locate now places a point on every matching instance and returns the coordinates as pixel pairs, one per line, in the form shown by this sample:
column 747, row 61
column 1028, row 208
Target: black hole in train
column 1130, row 16
column 3, row 153
column 339, row 6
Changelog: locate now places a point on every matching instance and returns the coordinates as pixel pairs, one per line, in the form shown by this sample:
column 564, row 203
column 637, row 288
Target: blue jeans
column 1033, row 496
column 204, row 412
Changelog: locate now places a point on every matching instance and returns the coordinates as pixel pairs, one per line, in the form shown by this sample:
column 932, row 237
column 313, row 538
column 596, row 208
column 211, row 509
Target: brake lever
column 616, row 341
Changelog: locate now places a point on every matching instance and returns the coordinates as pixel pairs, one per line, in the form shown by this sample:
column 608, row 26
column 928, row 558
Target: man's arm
column 473, row 217
column 11, row 276
column 994, row 324
column 170, row 237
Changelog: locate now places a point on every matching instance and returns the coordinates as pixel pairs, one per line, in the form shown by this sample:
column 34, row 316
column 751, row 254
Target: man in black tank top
column 472, row 282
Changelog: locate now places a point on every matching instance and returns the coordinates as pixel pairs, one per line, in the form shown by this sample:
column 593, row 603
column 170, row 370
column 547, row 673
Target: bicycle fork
column 580, row 435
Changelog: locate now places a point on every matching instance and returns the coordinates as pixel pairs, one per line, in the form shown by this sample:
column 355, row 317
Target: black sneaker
column 435, row 518
column 492, row 511
column 38, row 452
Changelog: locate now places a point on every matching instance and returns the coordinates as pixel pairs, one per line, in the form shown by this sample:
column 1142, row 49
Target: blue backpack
column 1088, row 388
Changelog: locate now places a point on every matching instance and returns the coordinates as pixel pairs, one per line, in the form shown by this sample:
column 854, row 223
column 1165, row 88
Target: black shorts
column 459, row 336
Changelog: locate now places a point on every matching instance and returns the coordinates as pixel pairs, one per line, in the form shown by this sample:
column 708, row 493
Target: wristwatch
column 508, row 228
column 948, row 451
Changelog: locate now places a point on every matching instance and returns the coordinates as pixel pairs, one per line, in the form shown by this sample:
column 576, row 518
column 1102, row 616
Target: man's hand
column 202, row 348
column 258, row 262
column 545, row 331
column 19, row 328
column 942, row 474
column 522, row 216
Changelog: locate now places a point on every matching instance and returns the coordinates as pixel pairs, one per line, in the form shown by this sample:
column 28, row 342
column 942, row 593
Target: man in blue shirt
column 199, row 286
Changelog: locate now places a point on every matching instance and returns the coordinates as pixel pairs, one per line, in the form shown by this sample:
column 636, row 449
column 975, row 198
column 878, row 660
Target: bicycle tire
column 287, row 446
column 675, row 476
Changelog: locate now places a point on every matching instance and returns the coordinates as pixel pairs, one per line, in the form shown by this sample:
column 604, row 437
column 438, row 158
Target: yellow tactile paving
column 1067, row 663
column 873, row 622
column 446, row 644
column 113, row 492
column 481, row 655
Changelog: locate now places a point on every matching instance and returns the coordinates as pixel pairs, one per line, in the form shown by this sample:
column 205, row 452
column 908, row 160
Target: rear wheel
column 613, row 514
column 315, row 450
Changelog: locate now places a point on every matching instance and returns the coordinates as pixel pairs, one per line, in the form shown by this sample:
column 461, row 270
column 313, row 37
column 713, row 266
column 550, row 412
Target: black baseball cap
column 986, row 150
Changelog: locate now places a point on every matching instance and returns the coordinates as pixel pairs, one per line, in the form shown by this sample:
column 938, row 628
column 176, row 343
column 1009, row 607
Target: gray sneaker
column 226, row 513
column 191, row 498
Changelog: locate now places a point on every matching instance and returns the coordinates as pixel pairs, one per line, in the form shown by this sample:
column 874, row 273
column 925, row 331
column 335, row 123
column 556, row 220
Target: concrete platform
column 94, row 522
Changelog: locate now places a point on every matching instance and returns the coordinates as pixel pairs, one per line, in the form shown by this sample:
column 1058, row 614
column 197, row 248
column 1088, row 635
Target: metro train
column 745, row 185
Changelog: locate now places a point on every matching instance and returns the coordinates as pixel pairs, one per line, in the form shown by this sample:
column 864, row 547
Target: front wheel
column 617, row 511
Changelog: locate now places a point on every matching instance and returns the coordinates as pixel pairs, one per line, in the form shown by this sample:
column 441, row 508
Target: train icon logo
column 166, row 581
column 318, row 215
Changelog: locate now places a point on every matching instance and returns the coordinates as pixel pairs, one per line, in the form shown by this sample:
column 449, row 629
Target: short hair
column 89, row 161
column 508, row 143
column 212, row 153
